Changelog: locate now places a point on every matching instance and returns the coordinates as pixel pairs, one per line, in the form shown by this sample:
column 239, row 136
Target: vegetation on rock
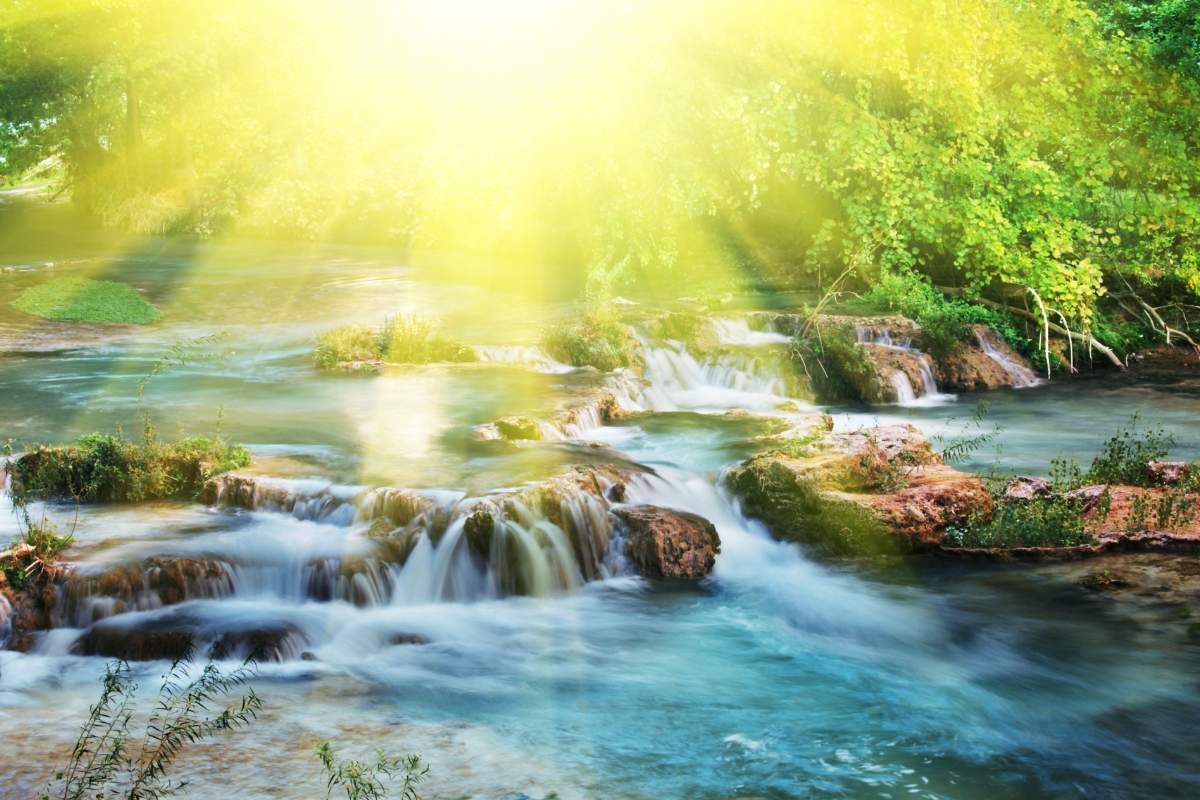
column 593, row 336
column 104, row 467
column 399, row 340
column 85, row 300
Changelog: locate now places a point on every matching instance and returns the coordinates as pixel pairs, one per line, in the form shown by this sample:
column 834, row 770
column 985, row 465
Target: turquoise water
column 778, row 677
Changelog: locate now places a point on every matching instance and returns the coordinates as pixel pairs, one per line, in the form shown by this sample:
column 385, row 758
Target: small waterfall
column 1022, row 376
column 905, row 396
column 924, row 394
column 532, row 357
column 881, row 336
column 676, row 381
column 737, row 331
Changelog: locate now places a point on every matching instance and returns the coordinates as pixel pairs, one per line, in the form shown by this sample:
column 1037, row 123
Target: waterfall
column 1022, row 376
column 737, row 331
column 532, row 357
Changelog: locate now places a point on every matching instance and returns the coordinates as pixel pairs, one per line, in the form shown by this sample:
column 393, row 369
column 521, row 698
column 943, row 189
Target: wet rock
column 1164, row 473
column 1024, row 487
column 408, row 638
column 894, row 374
column 663, row 543
column 518, row 428
column 308, row 655
column 1088, row 496
column 259, row 644
column 115, row 642
column 478, row 529
column 876, row 490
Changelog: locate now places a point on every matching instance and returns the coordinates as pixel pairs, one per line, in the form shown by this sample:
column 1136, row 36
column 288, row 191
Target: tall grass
column 399, row 340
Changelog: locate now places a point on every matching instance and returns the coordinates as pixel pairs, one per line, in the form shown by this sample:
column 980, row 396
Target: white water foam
column 1022, row 375
column 737, row 331
column 532, row 357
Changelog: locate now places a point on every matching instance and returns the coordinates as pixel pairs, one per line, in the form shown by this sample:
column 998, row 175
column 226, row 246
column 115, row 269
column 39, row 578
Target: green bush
column 1124, row 458
column 45, row 546
column 593, row 336
column 399, row 340
column 1041, row 522
column 103, row 467
column 84, row 300
column 833, row 361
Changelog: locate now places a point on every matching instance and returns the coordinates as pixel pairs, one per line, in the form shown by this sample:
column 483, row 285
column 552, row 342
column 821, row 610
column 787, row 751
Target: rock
column 663, row 543
column 894, row 373
column 478, row 529
column 1164, row 473
column 114, row 642
column 1024, row 487
column 409, row 638
column 989, row 363
column 518, row 428
column 262, row 645
column 878, row 490
column 1089, row 496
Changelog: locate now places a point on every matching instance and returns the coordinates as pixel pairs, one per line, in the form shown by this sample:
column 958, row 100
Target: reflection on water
column 778, row 677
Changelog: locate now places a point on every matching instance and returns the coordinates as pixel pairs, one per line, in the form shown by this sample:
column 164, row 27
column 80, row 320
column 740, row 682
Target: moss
column 399, row 340
column 837, row 366
column 794, row 510
column 592, row 337
column 102, row 467
column 84, row 300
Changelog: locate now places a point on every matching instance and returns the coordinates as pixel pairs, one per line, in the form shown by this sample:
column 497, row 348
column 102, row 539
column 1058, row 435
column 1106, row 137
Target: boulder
column 1164, row 473
column 478, row 529
column 115, row 642
column 1024, row 487
column 663, row 543
column 872, row 491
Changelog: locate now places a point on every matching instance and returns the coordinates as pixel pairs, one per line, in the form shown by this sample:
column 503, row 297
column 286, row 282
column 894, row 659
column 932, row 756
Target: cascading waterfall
column 927, row 392
column 532, row 357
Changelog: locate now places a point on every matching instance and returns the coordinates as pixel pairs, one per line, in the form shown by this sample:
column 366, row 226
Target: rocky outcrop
column 987, row 362
column 1105, row 543
column 570, row 423
column 663, row 543
column 877, row 490
column 1024, row 487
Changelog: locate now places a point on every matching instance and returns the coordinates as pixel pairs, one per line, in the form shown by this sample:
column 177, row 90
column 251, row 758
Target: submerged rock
column 518, row 428
column 663, row 543
column 876, row 490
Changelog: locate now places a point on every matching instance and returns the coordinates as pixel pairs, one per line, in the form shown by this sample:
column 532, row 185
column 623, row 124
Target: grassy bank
column 84, row 300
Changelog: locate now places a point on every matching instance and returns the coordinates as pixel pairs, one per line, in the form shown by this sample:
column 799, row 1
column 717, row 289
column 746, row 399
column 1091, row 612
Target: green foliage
column 84, row 300
column 960, row 446
column 832, row 359
column 103, row 467
column 1176, row 509
column 109, row 761
column 1124, row 457
column 1040, row 522
column 1170, row 28
column 361, row 779
column 399, row 340
column 945, row 321
column 592, row 336
column 1123, row 337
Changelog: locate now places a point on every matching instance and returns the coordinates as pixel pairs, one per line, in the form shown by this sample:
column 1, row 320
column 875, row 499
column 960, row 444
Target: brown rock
column 663, row 543
column 478, row 529
column 1163, row 473
column 113, row 642
column 987, row 364
column 1024, row 487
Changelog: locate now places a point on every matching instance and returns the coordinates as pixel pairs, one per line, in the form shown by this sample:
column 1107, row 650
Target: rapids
column 542, row 676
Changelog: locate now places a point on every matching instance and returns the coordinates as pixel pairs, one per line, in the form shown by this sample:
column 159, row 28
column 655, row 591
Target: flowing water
column 538, row 675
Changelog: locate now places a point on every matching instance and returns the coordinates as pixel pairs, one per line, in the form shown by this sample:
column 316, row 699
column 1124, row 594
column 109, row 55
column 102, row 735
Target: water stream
column 545, row 675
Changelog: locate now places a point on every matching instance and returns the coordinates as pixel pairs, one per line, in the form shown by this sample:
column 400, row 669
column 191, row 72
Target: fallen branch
column 17, row 552
column 1079, row 337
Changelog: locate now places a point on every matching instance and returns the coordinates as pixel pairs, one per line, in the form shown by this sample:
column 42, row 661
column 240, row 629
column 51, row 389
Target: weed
column 399, row 340
column 35, row 552
column 109, row 762
column 84, row 300
column 1124, row 458
column 361, row 779
column 1176, row 510
column 1052, row 522
column 1139, row 514
column 960, row 447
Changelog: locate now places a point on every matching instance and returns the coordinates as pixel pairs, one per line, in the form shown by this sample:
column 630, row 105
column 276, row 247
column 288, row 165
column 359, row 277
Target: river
column 780, row 676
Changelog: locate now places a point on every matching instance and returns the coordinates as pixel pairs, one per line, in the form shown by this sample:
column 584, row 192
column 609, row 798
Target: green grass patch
column 1040, row 522
column 103, row 467
column 85, row 300
column 593, row 336
column 399, row 340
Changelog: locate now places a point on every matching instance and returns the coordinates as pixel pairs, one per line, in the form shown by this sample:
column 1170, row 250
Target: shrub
column 103, row 467
column 84, row 300
column 840, row 369
column 593, row 336
column 1041, row 522
column 32, row 553
column 1124, row 458
column 399, row 340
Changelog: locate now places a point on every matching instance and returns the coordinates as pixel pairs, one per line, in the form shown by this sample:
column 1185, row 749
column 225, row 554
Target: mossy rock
column 794, row 510
column 85, row 300
column 519, row 428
